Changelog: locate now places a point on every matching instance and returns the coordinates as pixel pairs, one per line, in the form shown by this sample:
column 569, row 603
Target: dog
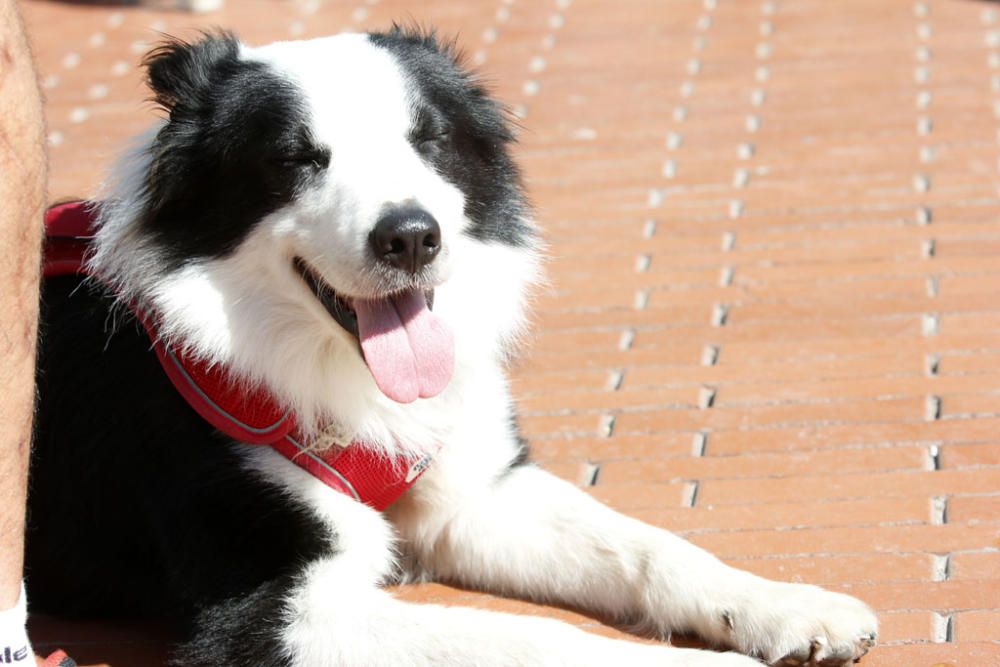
column 339, row 223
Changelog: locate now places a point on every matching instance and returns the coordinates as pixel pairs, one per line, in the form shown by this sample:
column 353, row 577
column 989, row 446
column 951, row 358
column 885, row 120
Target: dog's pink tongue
column 410, row 352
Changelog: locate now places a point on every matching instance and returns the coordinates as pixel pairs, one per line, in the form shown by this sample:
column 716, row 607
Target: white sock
column 15, row 649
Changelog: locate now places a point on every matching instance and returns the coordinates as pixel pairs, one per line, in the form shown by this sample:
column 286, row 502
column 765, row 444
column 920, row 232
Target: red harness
column 253, row 417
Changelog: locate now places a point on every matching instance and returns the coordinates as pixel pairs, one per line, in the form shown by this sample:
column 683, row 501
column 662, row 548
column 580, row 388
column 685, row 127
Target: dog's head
column 313, row 208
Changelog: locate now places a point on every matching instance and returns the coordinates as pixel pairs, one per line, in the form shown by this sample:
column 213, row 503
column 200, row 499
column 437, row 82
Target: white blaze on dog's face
column 364, row 115
column 337, row 218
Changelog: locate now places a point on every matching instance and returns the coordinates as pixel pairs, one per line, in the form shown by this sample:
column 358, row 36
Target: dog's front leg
column 530, row 534
column 331, row 611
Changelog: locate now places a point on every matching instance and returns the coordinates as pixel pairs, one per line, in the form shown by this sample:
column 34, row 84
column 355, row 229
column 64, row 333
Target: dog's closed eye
column 315, row 159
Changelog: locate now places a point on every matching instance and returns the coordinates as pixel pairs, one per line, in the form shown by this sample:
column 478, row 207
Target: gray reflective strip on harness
column 215, row 406
column 326, row 466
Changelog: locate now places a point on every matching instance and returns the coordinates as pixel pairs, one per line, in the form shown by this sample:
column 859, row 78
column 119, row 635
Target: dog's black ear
column 179, row 71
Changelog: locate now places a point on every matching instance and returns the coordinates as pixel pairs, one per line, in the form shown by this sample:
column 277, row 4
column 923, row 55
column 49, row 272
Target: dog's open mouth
column 340, row 309
column 409, row 350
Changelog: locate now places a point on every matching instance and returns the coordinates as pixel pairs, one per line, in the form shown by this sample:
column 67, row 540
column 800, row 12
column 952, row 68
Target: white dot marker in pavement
column 929, row 324
column 97, row 91
column 78, row 115
column 71, row 60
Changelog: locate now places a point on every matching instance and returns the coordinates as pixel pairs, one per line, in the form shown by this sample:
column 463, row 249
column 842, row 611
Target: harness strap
column 246, row 414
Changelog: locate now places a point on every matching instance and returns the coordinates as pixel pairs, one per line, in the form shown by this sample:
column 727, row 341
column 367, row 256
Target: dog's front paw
column 794, row 625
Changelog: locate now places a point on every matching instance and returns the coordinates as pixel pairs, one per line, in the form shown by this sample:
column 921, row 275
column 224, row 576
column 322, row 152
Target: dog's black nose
column 406, row 238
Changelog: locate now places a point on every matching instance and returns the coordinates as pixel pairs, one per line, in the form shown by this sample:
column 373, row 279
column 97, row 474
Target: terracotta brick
column 947, row 596
column 977, row 626
column 764, row 465
column 825, row 436
column 968, row 654
column 887, row 484
column 978, row 565
column 905, row 627
column 847, row 540
column 537, row 426
column 888, row 410
column 830, row 570
column 615, row 447
column 525, row 383
column 970, row 456
column 605, row 401
column 707, row 518
column 644, row 495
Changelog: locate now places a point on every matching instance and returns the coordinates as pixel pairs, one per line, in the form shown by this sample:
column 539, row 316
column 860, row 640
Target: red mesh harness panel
column 247, row 414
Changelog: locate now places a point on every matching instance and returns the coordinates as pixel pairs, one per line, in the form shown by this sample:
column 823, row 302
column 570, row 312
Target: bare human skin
column 22, row 203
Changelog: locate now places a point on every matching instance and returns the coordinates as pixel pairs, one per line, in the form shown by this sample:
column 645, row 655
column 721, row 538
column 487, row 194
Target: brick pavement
column 773, row 321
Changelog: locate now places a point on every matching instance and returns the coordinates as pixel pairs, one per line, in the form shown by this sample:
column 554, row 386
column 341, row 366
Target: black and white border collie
column 293, row 193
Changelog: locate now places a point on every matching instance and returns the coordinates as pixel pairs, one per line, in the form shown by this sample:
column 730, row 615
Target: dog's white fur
column 522, row 532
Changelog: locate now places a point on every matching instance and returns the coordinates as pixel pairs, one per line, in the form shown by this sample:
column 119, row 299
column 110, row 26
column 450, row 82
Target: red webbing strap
column 247, row 415
column 68, row 232
column 357, row 470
